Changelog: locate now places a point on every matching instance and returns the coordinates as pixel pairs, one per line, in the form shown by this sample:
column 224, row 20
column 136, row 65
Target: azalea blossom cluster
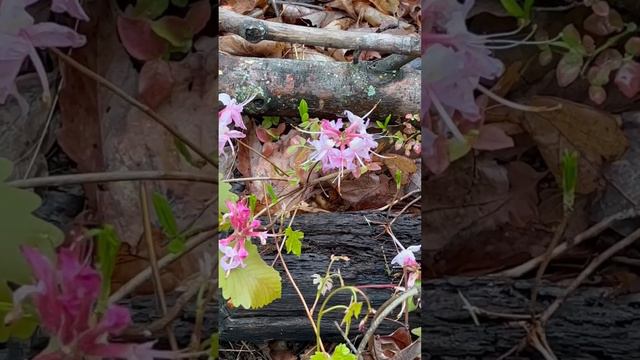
column 231, row 114
column 343, row 149
column 453, row 62
column 65, row 296
column 244, row 227
column 20, row 36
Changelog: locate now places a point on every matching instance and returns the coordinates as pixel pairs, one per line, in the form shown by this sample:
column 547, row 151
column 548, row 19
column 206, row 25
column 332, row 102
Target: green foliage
column 253, row 200
column 168, row 223
column 185, row 153
column 569, row 178
column 150, row 9
column 341, row 352
column 271, row 193
column 353, row 312
column 253, row 286
column 303, row 109
column 398, row 178
column 383, row 125
column 19, row 227
column 108, row 244
column 214, row 346
column 269, row 121
column 417, row 331
column 293, row 242
column 516, row 10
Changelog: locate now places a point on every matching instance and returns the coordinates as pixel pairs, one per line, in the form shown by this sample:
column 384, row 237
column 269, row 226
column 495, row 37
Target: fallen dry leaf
column 406, row 166
column 236, row 45
column 595, row 134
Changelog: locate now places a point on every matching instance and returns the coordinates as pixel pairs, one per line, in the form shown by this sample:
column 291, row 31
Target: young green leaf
column 214, row 346
column 108, row 243
column 177, row 245
column 398, row 178
column 569, row 178
column 150, row 9
column 293, row 242
column 303, row 109
column 253, row 286
column 342, row 352
column 272, row 194
column 165, row 215
column 352, row 312
column 513, row 8
column 417, row 331
column 253, row 200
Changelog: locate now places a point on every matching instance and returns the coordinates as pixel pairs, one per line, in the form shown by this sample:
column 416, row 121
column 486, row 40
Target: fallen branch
column 102, row 177
column 328, row 87
column 255, row 30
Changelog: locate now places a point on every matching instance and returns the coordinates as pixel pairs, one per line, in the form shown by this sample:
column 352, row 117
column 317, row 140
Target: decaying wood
column 346, row 234
column 328, row 87
column 592, row 324
column 255, row 30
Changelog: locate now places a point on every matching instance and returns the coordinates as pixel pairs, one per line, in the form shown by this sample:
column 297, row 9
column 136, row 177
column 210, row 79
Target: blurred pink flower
column 65, row 296
column 628, row 78
column 405, row 257
column 232, row 112
column 19, row 37
column 72, row 7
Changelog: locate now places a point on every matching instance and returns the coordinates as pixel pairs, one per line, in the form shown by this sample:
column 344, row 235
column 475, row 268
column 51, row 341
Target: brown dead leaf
column 380, row 190
column 336, row 20
column 244, row 6
column 406, row 166
column 376, row 18
column 389, row 7
column 293, row 13
column 306, row 53
column 344, row 5
column 388, row 346
column 596, row 136
column 155, row 83
column 236, row 45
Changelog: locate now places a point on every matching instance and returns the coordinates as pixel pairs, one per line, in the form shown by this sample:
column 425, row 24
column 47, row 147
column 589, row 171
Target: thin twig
column 593, row 265
column 593, row 231
column 157, row 280
column 145, row 274
column 142, row 107
column 345, row 337
column 115, row 176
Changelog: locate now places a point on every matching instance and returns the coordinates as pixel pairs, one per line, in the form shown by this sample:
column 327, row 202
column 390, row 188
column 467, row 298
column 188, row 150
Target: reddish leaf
column 155, row 83
column 492, row 137
column 597, row 94
column 604, row 25
column 628, row 79
column 263, row 135
column 139, row 40
column 198, row 16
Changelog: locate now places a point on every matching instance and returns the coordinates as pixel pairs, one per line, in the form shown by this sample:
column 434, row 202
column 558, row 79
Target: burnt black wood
column 590, row 325
column 346, row 234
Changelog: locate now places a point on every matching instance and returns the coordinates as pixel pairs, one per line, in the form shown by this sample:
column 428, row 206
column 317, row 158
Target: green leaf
column 214, row 346
column 528, row 6
column 303, row 109
column 513, row 8
column 20, row 329
column 342, row 352
column 108, row 244
column 150, row 9
column 417, row 331
column 569, row 178
column 177, row 245
column 175, row 30
column 353, row 312
column 224, row 194
column 398, row 178
column 180, row 3
column 165, row 215
column 293, row 242
column 272, row 194
column 20, row 227
column 253, row 200
column 253, row 286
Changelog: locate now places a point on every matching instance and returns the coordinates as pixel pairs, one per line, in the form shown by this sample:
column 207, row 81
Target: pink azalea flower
column 406, row 257
column 19, row 37
column 225, row 134
column 72, row 7
column 628, row 78
column 244, row 228
column 65, row 296
column 232, row 110
column 343, row 149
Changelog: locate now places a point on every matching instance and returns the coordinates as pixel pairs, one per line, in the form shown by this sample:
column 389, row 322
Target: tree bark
column 346, row 234
column 328, row 87
column 590, row 325
column 255, row 30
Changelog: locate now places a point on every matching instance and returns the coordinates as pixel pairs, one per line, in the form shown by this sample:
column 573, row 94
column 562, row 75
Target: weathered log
column 255, row 30
column 346, row 234
column 590, row 325
column 328, row 87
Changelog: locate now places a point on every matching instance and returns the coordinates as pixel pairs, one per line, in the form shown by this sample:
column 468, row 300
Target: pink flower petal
column 72, row 7
column 49, row 34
